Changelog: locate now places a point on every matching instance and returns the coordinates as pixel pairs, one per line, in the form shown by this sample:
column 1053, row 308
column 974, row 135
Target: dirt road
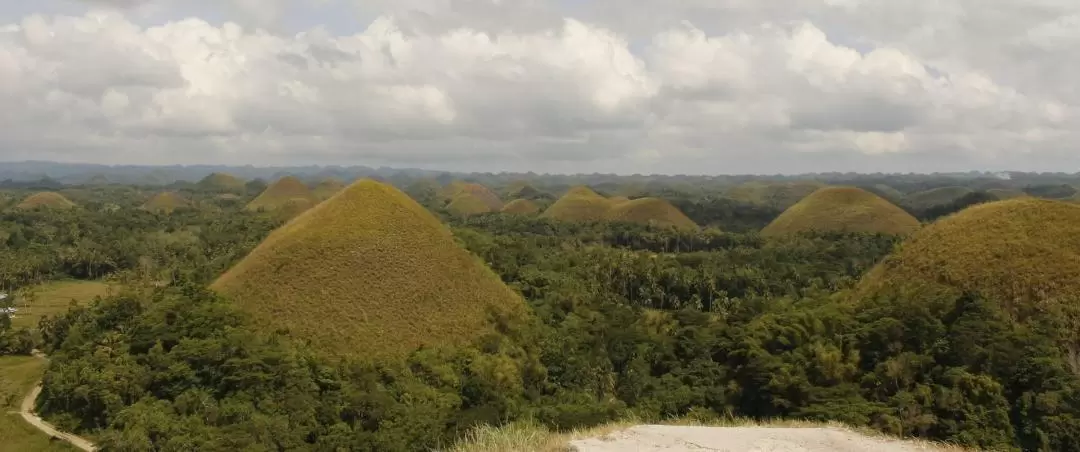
column 752, row 439
column 27, row 412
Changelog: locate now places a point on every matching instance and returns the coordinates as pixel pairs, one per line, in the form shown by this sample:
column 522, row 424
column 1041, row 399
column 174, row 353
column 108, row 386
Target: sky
column 571, row 86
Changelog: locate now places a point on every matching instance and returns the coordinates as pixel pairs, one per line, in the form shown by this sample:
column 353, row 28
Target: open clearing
column 18, row 375
column 54, row 298
column 758, row 439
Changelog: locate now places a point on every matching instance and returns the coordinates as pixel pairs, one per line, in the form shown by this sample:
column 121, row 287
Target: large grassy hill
column 286, row 190
column 327, row 188
column 46, row 199
column 650, row 211
column 165, row 202
column 579, row 204
column 222, row 182
column 465, row 204
column 368, row 273
column 842, row 209
column 1021, row 252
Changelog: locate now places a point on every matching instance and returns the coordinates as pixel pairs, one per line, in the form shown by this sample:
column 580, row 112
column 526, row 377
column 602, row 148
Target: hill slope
column 278, row 194
column 222, row 182
column 780, row 195
column 579, row 204
column 651, row 211
column 936, row 196
column 1016, row 251
column 46, row 199
column 521, row 207
column 842, row 209
column 165, row 202
column 465, row 204
column 368, row 273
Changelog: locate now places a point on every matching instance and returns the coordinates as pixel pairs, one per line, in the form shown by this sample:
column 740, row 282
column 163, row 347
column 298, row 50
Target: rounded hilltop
column 222, row 182
column 165, row 202
column 779, row 195
column 651, row 211
column 579, row 204
column 368, row 273
column 1021, row 252
column 45, row 200
column 280, row 193
column 842, row 209
column 327, row 187
column 465, row 204
column 521, row 207
column 471, row 198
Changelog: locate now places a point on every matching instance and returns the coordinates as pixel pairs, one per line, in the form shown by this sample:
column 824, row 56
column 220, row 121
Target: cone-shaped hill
column 651, row 211
column 521, row 207
column 579, row 204
column 222, row 182
column 479, row 193
column 465, row 204
column 165, row 202
column 842, row 209
column 780, row 195
column 47, row 200
column 1023, row 253
column 368, row 273
column 327, row 188
column 278, row 194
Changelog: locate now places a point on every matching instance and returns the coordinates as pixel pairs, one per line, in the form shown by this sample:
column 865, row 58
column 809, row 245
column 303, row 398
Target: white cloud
column 523, row 84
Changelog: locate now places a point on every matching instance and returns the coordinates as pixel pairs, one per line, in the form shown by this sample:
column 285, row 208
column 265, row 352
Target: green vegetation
column 327, row 188
column 222, row 182
column 1005, row 193
column 165, row 202
column 936, row 196
column 285, row 191
column 521, row 207
column 18, row 375
column 579, row 204
column 465, row 204
column 45, row 200
column 842, row 209
column 650, row 211
column 54, row 298
column 368, row 273
column 887, row 192
column 779, row 195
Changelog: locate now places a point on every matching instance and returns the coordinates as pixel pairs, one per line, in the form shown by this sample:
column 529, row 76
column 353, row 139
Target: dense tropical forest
column 676, row 305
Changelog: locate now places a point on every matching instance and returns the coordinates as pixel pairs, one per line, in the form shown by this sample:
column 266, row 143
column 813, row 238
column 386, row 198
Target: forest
column 626, row 321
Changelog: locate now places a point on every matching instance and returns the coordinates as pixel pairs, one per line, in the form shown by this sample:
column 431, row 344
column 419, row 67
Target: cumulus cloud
column 733, row 86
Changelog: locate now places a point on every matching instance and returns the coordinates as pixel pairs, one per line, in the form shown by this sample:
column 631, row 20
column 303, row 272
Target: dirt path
column 752, row 439
column 27, row 412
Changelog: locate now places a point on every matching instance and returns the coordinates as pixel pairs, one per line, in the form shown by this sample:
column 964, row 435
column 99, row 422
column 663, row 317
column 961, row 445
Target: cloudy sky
column 650, row 86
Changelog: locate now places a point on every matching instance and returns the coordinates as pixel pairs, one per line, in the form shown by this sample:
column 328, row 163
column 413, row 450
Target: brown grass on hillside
column 46, row 199
column 579, row 204
column 843, row 209
column 521, row 207
column 616, row 200
column 465, row 204
column 1005, row 193
column 165, row 202
column 294, row 207
column 651, row 211
column 936, row 196
column 889, row 193
column 780, row 195
column 1019, row 252
column 368, row 273
column 326, row 188
column 278, row 194
column 222, row 182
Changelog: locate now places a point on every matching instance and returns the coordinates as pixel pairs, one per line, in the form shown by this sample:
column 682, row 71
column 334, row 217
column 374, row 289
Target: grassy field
column 1019, row 252
column 845, row 209
column 368, row 273
column 17, row 376
column 54, row 298
column 48, row 199
column 527, row 436
column 653, row 211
